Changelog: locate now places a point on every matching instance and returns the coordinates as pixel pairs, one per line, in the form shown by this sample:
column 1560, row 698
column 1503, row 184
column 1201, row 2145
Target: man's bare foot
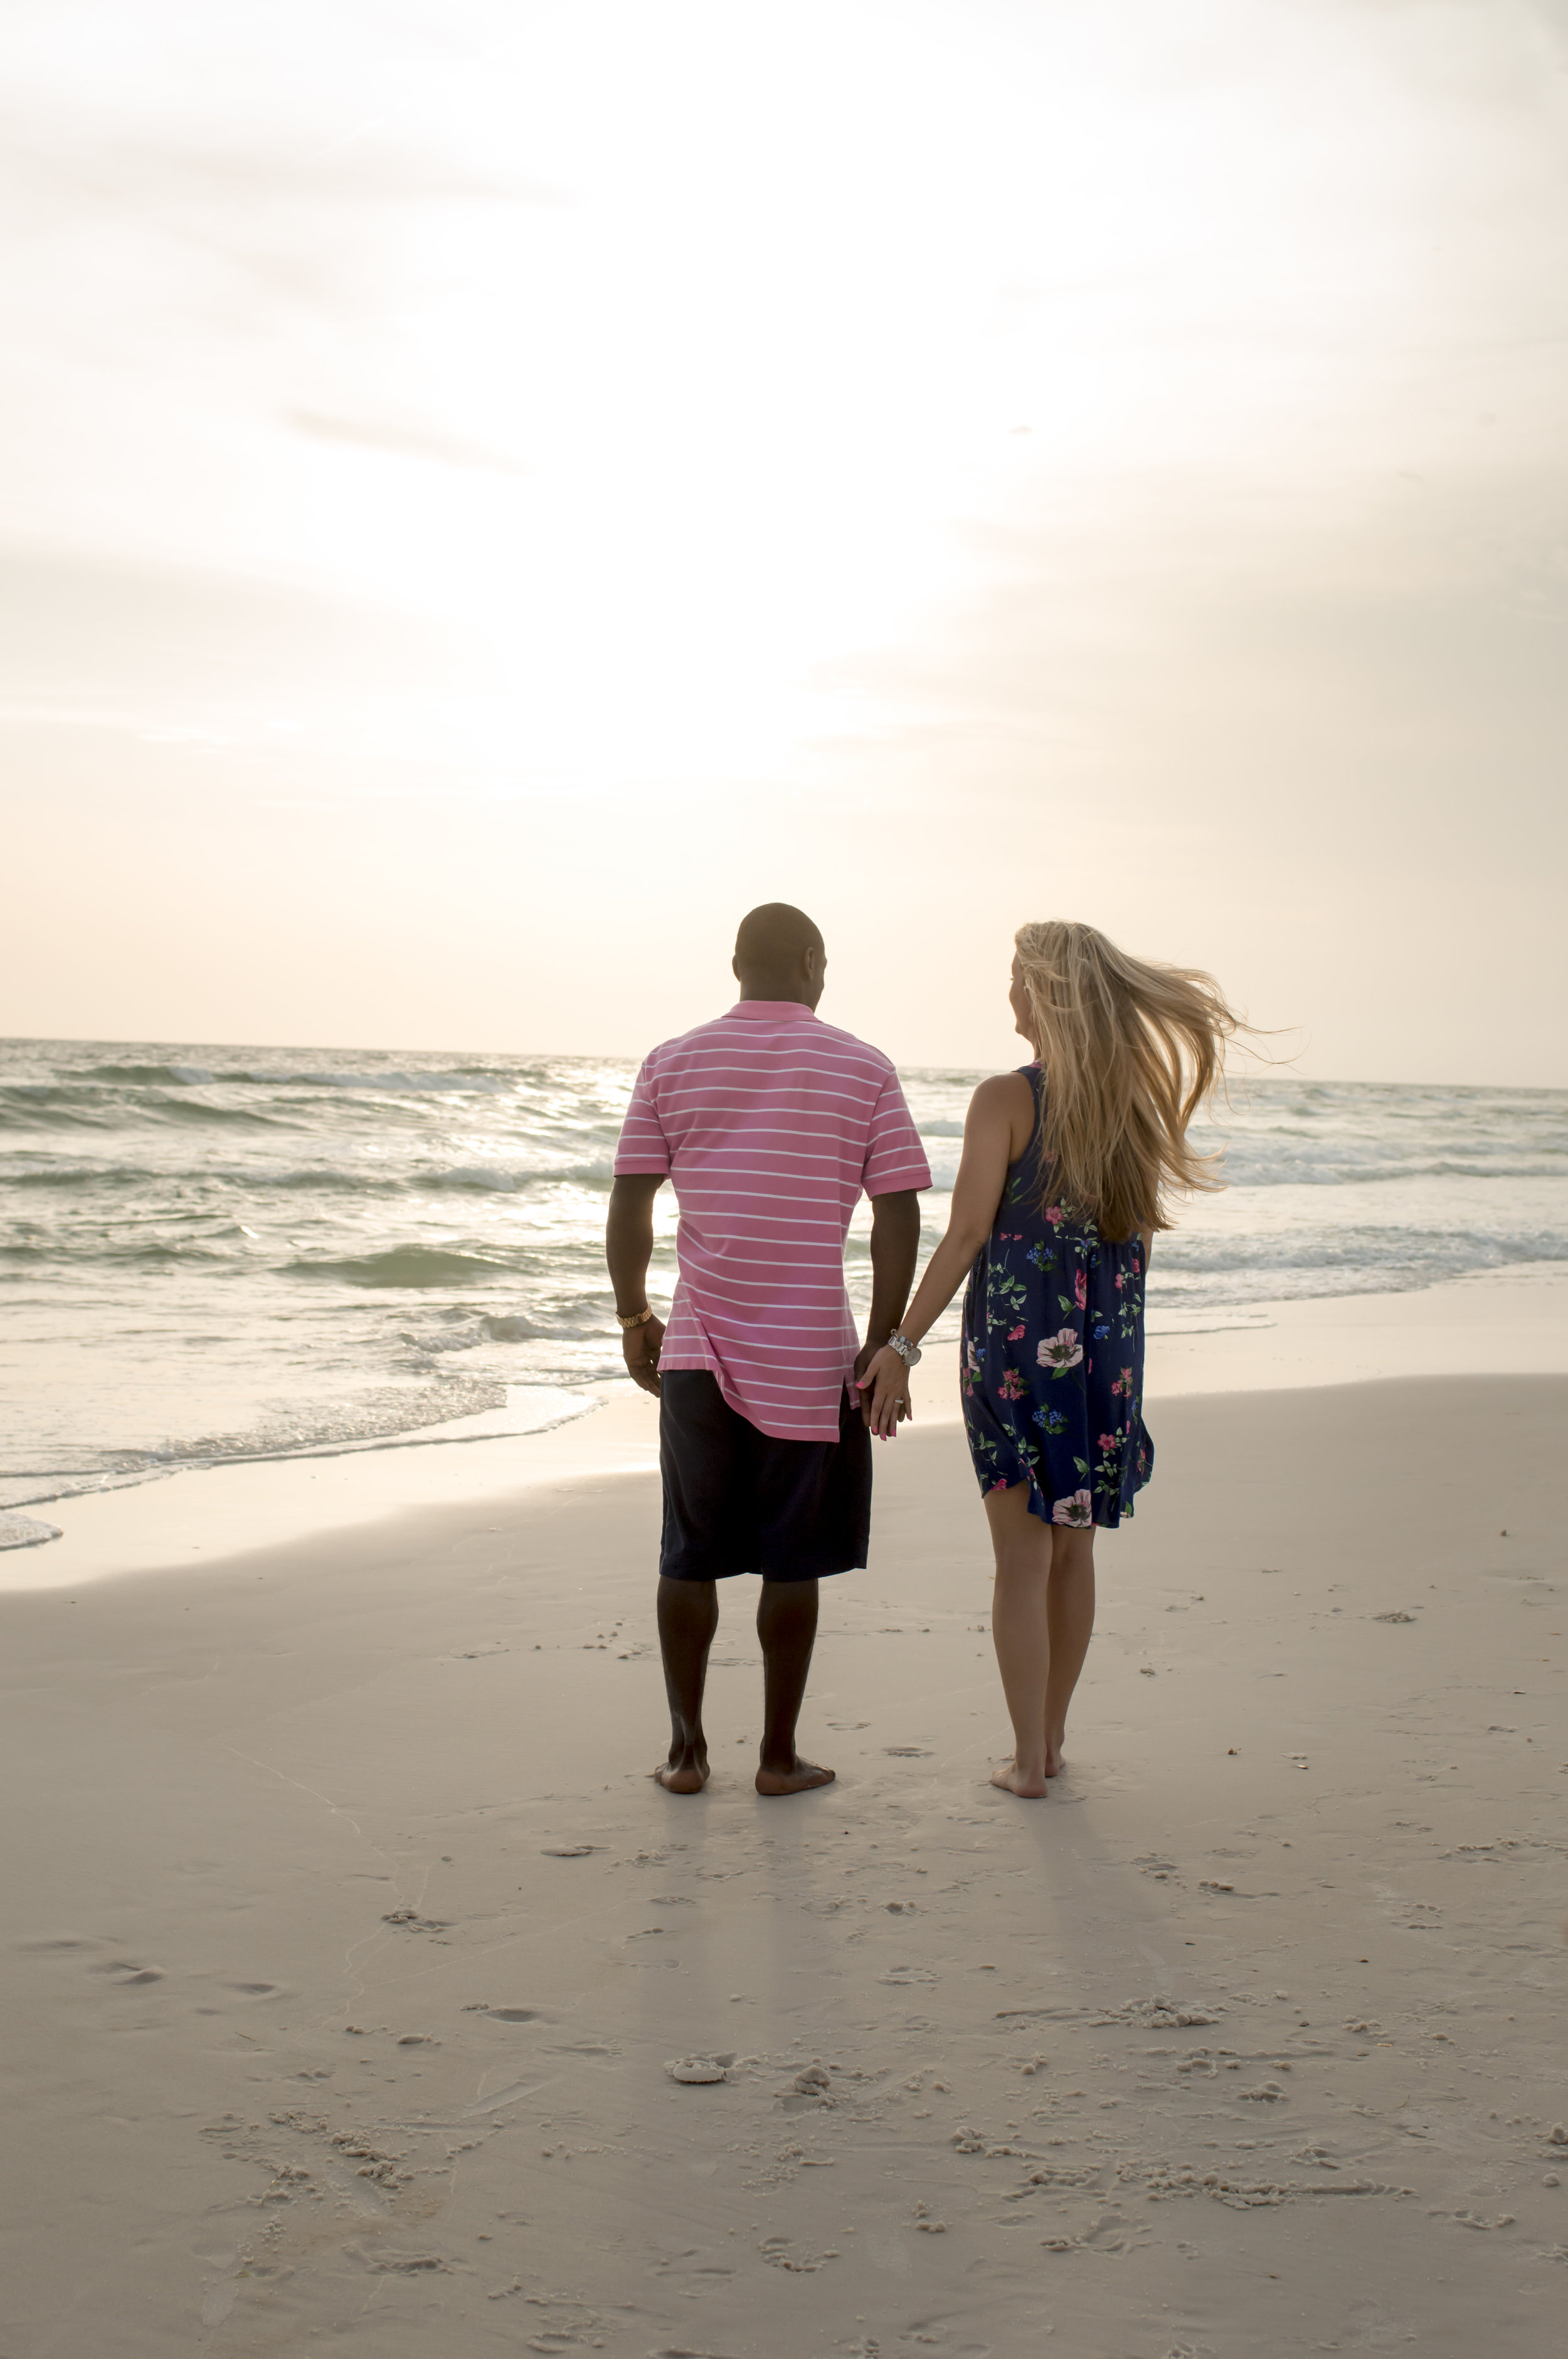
column 682, row 1777
column 1012, row 1780
column 798, row 1781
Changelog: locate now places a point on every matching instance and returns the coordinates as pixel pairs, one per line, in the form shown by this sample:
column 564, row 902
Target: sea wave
column 261, row 1243
column 54, row 1107
column 1245, row 1167
column 404, row 1265
column 404, row 1085
column 381, row 1421
column 193, row 1076
column 1356, row 1261
column 180, row 1076
column 493, row 1180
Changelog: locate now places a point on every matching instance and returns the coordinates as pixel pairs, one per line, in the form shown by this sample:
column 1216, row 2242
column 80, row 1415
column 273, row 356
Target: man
column 769, row 1124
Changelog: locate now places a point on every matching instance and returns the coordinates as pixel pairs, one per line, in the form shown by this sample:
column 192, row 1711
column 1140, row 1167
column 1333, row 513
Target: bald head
column 779, row 954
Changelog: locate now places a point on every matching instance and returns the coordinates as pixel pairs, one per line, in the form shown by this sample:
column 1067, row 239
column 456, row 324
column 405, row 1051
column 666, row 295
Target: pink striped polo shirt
column 769, row 1123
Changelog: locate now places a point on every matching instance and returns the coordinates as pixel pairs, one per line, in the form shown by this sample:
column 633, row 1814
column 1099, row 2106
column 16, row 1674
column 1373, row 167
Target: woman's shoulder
column 1007, row 1098
column 999, row 1090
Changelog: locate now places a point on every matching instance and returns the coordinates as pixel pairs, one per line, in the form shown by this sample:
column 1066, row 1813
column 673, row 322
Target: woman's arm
column 996, row 1131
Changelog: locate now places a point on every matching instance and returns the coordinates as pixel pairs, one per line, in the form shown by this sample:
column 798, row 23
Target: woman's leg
column 1070, row 1621
column 1043, row 1617
column 1020, row 1634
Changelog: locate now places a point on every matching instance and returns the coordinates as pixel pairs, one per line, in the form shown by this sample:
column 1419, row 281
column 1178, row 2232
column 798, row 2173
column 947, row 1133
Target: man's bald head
column 780, row 954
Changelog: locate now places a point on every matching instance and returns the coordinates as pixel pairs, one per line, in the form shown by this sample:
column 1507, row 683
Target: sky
column 490, row 490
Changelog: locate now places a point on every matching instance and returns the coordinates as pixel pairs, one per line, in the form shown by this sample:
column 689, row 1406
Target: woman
column 1067, row 1169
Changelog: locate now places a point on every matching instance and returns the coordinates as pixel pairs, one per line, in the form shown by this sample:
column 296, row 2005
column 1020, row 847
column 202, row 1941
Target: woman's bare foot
column 686, row 1776
column 798, row 1781
column 1029, row 1788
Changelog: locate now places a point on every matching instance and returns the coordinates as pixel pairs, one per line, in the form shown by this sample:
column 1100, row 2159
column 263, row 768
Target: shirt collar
column 774, row 1011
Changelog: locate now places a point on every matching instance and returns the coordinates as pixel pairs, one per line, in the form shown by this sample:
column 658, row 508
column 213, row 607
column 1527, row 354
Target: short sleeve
column 642, row 1146
column 894, row 1156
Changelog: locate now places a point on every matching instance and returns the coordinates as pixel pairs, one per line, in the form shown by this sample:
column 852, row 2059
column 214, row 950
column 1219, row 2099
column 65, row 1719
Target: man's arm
column 628, row 1249
column 895, row 1248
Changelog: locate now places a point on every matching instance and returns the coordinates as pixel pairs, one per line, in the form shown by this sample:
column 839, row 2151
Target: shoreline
column 1501, row 1324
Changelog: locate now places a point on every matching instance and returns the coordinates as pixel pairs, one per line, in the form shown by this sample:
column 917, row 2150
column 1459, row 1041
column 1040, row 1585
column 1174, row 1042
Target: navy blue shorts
column 740, row 1501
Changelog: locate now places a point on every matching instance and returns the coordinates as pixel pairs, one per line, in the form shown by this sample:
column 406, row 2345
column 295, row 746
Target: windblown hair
column 1129, row 1052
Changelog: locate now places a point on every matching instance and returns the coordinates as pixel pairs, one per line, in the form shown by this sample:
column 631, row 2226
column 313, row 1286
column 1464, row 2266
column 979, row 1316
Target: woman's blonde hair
column 1129, row 1052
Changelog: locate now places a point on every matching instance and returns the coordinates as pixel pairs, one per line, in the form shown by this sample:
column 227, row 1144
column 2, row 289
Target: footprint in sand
column 504, row 2014
column 567, row 1850
column 130, row 1977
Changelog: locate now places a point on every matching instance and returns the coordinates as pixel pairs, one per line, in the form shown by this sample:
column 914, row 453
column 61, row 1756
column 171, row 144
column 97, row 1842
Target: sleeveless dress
column 1053, row 1355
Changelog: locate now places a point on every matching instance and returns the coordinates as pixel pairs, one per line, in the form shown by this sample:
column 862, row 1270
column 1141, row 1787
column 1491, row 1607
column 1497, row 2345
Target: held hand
column 641, row 1347
column 884, row 1392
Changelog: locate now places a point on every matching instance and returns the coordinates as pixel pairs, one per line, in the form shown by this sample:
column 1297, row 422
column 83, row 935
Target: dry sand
column 347, row 1942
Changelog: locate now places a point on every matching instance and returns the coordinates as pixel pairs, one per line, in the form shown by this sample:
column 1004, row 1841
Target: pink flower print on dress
column 1011, row 1387
column 1079, row 1511
column 1081, row 1289
column 1060, row 1352
column 1123, row 1383
column 1054, row 1214
column 1111, row 1441
column 1016, row 1334
column 1121, row 1274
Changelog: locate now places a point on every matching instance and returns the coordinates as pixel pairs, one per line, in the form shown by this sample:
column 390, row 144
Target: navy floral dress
column 1053, row 1367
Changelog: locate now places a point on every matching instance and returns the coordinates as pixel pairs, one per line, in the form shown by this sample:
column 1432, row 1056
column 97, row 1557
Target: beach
column 1067, row 505
column 350, row 1943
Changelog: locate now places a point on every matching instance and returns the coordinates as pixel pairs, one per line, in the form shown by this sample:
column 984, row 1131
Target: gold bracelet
column 638, row 1319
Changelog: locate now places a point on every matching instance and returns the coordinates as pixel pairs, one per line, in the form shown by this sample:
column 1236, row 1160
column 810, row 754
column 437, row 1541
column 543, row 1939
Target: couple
column 769, row 1124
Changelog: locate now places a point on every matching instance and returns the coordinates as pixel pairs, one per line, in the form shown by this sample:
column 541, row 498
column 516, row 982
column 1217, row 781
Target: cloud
column 74, row 166
column 405, row 442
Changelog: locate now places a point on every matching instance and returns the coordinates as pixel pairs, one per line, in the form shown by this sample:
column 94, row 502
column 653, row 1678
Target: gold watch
column 638, row 1319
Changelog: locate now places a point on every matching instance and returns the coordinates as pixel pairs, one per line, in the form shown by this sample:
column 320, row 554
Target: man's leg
column 786, row 1625
column 688, row 1616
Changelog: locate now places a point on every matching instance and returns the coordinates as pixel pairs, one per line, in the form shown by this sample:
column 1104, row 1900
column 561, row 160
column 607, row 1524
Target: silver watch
column 910, row 1354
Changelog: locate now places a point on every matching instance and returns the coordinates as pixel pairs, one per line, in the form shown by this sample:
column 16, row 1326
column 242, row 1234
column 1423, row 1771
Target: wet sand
column 347, row 1942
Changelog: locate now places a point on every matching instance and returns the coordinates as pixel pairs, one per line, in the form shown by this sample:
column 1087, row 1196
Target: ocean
column 211, row 1253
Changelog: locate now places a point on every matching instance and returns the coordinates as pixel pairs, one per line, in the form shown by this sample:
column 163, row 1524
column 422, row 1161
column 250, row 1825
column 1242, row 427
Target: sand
column 349, row 1945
